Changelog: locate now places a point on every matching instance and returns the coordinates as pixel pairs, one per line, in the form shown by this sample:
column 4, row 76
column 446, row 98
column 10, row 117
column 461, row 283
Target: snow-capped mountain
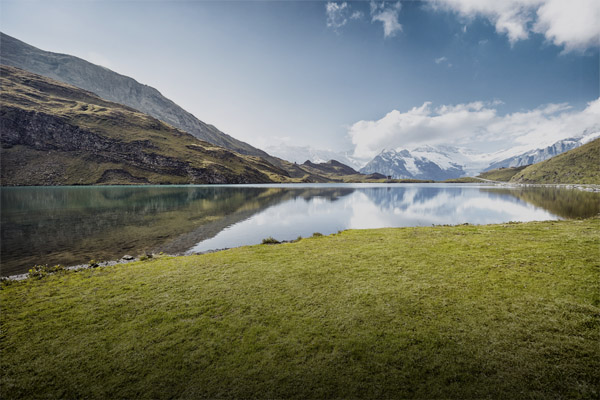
column 447, row 162
column 421, row 163
column 538, row 155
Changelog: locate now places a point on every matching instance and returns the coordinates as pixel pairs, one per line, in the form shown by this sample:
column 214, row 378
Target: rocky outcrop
column 43, row 132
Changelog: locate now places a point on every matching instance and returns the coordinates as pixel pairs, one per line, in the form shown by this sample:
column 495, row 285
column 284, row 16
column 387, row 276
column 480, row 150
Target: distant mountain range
column 421, row 163
column 446, row 162
column 578, row 165
column 538, row 155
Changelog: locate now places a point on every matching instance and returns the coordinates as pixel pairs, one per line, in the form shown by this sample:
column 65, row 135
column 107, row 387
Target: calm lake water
column 71, row 225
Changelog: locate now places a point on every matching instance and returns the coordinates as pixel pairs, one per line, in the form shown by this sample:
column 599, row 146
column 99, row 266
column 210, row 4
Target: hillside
column 580, row 165
column 539, row 155
column 114, row 87
column 504, row 311
column 57, row 134
column 503, row 174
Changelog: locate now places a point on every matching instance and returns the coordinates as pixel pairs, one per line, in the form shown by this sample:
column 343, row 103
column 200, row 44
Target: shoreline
column 126, row 259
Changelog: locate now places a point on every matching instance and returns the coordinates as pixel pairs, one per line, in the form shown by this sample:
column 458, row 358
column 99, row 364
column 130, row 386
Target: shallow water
column 71, row 225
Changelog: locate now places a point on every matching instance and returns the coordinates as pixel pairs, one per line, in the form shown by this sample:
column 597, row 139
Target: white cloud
column 477, row 125
column 356, row 15
column 336, row 14
column 339, row 14
column 569, row 23
column 443, row 60
column 387, row 14
column 574, row 24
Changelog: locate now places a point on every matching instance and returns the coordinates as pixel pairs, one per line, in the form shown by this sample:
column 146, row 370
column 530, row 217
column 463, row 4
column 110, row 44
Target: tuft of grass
column 317, row 234
column 41, row 271
column 498, row 311
column 270, row 240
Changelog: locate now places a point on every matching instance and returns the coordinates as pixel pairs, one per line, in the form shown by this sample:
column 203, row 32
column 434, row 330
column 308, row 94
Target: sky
column 346, row 76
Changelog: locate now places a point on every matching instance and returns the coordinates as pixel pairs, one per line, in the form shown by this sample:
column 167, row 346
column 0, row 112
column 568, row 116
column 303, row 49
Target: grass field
column 499, row 311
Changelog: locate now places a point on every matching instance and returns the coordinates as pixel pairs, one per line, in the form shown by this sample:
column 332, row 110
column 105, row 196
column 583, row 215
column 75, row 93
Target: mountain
column 538, row 155
column 503, row 174
column 580, row 165
column 299, row 154
column 421, row 163
column 330, row 167
column 57, row 134
column 114, row 87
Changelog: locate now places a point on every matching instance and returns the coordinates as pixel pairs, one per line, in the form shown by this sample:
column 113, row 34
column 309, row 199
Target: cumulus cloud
column 572, row 24
column 387, row 14
column 471, row 124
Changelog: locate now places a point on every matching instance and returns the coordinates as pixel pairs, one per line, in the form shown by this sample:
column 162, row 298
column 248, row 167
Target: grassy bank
column 502, row 311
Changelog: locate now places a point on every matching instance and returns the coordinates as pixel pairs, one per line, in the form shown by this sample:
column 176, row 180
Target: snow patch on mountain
column 541, row 154
column 447, row 162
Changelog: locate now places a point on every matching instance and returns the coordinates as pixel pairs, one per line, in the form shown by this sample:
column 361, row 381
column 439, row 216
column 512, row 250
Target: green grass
column 502, row 174
column 464, row 179
column 499, row 311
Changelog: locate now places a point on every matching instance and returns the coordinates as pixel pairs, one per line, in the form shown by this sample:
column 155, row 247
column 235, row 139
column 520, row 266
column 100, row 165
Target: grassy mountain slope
column 122, row 89
column 580, row 165
column 501, row 174
column 504, row 311
column 57, row 134
column 114, row 87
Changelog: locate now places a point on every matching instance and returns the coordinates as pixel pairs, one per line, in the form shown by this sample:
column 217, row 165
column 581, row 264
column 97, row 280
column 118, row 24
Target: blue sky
column 314, row 73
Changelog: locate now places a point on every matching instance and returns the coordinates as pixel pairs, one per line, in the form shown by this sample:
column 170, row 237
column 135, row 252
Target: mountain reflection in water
column 71, row 225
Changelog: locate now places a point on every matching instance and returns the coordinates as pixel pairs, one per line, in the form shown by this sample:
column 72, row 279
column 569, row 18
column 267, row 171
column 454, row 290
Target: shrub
column 270, row 240
column 317, row 234
column 40, row 271
column 93, row 264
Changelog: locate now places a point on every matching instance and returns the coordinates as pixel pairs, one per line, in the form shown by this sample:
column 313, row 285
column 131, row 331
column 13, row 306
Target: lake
column 72, row 225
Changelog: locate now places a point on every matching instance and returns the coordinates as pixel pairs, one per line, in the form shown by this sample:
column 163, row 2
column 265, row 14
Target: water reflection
column 379, row 207
column 72, row 225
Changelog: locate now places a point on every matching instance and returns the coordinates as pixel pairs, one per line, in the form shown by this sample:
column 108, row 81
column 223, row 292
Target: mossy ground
column 499, row 311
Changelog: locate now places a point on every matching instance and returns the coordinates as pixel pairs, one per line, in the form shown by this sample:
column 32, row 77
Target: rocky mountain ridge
column 114, row 87
column 57, row 134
